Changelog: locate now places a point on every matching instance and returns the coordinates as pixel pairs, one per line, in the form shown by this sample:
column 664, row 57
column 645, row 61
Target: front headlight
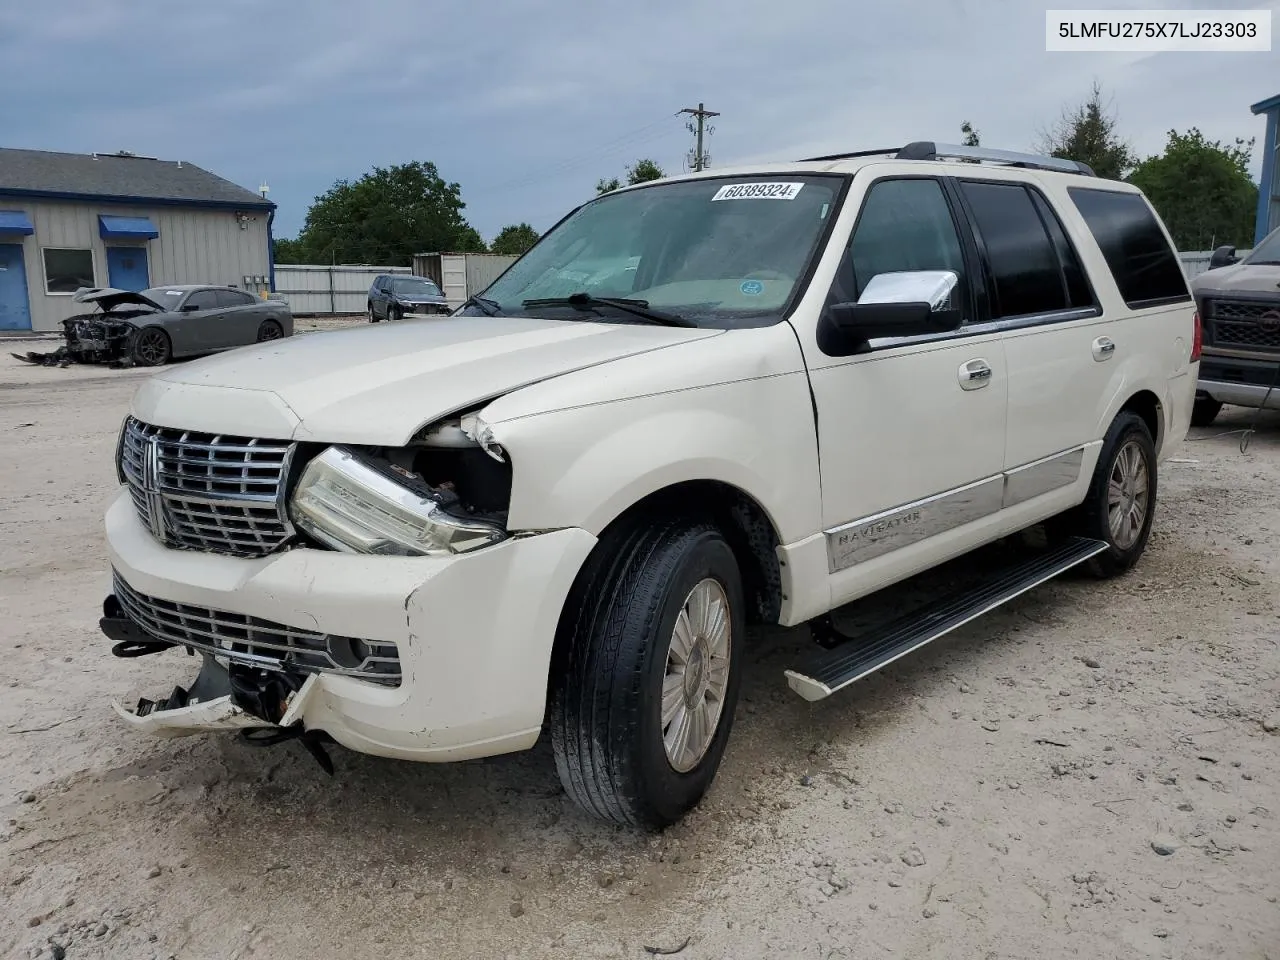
column 347, row 503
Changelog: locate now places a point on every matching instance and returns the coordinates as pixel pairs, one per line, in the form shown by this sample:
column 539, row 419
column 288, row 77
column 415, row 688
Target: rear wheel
column 269, row 330
column 151, row 347
column 647, row 672
column 373, row 317
column 1122, row 498
column 1205, row 411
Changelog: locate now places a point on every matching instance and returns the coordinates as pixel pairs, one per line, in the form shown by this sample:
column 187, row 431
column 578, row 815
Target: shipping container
column 461, row 275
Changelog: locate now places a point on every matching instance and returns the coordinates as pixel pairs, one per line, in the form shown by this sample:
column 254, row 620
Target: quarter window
column 1021, row 256
column 234, row 298
column 904, row 225
column 66, row 271
column 1145, row 268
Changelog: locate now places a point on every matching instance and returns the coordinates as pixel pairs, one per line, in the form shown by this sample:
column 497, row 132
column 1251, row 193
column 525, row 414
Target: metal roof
column 1269, row 104
column 122, row 178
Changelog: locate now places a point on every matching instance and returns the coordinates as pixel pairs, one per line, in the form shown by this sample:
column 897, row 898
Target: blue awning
column 126, row 228
column 15, row 221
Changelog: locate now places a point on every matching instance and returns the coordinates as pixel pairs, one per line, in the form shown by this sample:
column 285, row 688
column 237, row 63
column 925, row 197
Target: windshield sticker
column 751, row 288
column 758, row 191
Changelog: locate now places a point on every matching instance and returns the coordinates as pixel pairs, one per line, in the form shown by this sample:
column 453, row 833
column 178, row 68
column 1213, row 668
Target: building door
column 15, row 308
column 127, row 268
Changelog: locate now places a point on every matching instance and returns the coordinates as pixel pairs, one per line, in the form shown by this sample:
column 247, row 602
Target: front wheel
column 646, row 680
column 393, row 314
column 151, row 347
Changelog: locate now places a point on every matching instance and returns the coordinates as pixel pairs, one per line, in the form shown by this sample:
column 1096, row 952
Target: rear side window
column 1020, row 254
column 1145, row 267
column 234, row 298
column 202, row 300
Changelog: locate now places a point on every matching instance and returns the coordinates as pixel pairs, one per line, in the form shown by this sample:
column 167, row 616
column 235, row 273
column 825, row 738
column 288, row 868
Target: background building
column 1269, row 195
column 72, row 220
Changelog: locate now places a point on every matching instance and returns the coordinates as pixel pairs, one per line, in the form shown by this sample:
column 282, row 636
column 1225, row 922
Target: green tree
column 287, row 251
column 642, row 171
column 514, row 240
column 1202, row 190
column 386, row 217
column 1088, row 133
column 971, row 138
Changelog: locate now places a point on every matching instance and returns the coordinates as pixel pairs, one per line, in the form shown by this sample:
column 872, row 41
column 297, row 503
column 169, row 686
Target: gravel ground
column 1090, row 772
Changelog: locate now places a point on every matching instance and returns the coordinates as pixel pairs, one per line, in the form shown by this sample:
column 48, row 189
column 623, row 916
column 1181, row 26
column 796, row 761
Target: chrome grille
column 259, row 643
column 202, row 491
column 1245, row 323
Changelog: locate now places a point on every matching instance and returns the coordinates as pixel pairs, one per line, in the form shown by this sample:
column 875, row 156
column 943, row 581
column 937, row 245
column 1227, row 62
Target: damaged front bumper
column 92, row 338
column 472, row 633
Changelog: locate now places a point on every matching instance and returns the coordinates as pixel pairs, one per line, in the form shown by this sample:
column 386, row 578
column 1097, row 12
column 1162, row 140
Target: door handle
column 1103, row 348
column 975, row 374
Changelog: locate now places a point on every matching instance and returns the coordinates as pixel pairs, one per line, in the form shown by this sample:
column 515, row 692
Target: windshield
column 722, row 252
column 165, row 296
column 1268, row 251
column 414, row 287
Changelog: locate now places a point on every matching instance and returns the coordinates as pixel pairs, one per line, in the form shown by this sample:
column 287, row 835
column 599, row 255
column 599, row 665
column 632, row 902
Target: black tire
column 393, row 313
column 152, row 347
column 373, row 317
column 612, row 659
column 1205, row 411
column 269, row 330
column 1092, row 518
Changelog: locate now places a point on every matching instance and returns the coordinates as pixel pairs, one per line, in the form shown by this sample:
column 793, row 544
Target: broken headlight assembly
column 358, row 504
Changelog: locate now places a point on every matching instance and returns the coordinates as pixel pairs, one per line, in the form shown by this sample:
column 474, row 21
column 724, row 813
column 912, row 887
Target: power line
column 700, row 158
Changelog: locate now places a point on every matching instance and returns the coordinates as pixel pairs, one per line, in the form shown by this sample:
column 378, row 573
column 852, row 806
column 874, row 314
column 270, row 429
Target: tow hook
column 131, row 639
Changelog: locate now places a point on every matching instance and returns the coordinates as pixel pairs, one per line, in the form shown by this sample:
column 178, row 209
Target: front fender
column 583, row 467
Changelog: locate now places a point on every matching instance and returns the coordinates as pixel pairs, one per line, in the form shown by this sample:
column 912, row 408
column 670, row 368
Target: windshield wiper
column 490, row 308
column 637, row 308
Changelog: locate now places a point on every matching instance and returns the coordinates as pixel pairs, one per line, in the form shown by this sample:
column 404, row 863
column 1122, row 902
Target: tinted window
column 201, row 300
column 904, row 225
column 235, row 298
column 1020, row 255
column 1079, row 293
column 1144, row 265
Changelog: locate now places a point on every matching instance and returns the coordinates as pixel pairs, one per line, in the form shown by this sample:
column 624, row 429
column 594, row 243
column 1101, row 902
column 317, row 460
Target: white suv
column 559, row 509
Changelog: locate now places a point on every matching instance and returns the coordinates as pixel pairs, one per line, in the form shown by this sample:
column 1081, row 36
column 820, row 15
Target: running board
column 834, row 669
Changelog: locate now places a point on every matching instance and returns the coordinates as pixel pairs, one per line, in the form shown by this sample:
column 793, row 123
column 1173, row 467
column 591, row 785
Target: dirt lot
column 1001, row 794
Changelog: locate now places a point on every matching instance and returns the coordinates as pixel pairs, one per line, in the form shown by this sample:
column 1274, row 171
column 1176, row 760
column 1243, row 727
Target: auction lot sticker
column 758, row 191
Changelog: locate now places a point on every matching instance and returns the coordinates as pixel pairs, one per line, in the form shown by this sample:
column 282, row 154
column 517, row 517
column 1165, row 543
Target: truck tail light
column 1197, row 338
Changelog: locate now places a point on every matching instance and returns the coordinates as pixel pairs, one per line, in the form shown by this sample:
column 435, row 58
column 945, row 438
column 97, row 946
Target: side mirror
column 900, row 304
column 1224, row 256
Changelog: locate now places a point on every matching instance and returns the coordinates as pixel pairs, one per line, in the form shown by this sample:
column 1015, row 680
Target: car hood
column 1240, row 278
column 108, row 298
column 380, row 385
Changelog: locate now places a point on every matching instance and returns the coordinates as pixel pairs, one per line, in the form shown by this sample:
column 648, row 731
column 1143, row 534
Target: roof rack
column 928, row 150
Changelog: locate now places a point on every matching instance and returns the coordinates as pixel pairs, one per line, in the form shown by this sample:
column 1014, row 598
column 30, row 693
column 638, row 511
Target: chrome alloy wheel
column 697, row 675
column 1127, row 499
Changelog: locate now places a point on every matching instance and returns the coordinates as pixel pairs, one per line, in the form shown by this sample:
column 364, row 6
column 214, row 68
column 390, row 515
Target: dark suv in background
column 1239, row 303
column 394, row 296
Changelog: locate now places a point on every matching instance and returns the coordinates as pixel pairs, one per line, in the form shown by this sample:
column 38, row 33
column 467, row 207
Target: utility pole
column 700, row 115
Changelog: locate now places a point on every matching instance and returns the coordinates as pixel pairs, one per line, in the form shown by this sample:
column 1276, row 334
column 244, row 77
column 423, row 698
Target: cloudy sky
column 527, row 104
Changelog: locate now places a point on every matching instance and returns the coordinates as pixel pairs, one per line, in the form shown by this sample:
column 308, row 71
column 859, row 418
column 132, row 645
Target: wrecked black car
column 151, row 328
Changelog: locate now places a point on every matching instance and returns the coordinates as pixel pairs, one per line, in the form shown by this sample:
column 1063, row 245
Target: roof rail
column 928, row 150
column 857, row 153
